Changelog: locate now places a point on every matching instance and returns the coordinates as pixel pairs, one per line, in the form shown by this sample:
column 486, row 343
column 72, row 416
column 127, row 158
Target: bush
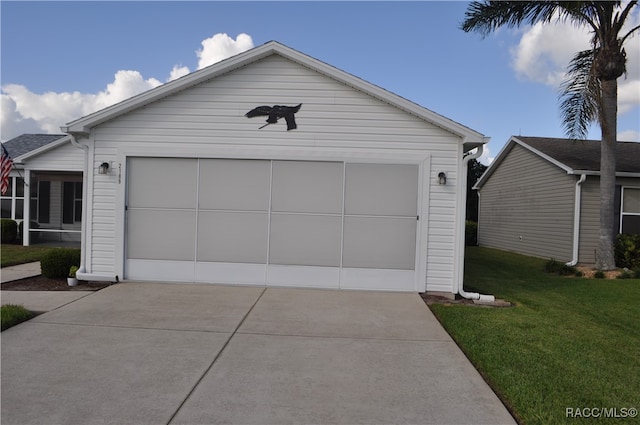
column 627, row 251
column 626, row 274
column 56, row 263
column 554, row 266
column 471, row 233
column 9, row 229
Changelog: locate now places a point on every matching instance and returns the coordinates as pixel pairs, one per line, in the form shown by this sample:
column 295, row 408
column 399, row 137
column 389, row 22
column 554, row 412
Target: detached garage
column 360, row 189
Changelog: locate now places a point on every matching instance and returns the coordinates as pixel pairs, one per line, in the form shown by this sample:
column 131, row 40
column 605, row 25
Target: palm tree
column 590, row 91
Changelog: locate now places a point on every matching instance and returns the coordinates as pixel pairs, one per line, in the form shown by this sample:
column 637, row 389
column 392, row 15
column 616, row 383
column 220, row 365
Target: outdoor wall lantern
column 103, row 168
column 442, row 178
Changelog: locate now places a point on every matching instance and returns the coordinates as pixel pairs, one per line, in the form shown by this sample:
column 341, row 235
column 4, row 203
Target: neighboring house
column 541, row 197
column 367, row 193
column 45, row 188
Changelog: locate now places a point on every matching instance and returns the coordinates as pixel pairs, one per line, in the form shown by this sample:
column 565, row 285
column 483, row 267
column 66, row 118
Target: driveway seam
column 346, row 337
column 217, row 356
column 42, row 322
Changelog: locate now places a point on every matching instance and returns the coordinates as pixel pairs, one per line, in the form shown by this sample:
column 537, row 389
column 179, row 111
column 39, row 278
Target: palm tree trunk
column 608, row 122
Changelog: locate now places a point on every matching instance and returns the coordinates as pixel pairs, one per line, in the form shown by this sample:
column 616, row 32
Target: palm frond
column 580, row 96
column 485, row 17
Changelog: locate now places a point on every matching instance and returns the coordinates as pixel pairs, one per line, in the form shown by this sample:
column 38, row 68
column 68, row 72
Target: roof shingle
column 585, row 154
column 28, row 142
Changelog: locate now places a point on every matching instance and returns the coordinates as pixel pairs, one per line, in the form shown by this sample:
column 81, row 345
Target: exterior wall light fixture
column 442, row 177
column 103, row 168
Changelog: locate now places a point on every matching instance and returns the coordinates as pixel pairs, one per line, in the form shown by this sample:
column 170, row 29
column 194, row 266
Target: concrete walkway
column 21, row 271
column 38, row 301
column 41, row 301
column 148, row 353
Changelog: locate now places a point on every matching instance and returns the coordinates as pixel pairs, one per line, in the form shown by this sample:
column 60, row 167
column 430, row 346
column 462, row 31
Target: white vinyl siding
column 63, row 158
column 335, row 122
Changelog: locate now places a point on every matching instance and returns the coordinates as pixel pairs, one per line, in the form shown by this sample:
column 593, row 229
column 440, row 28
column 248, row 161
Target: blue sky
column 61, row 60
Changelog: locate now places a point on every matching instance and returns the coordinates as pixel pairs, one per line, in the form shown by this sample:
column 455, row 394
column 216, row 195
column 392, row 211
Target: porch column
column 26, row 214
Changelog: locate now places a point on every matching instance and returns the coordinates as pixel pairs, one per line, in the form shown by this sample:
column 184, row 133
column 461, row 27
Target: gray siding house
column 541, row 197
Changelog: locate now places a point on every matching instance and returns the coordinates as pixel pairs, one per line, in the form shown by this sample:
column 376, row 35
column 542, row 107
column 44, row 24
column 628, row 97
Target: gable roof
column 83, row 126
column 572, row 156
column 26, row 143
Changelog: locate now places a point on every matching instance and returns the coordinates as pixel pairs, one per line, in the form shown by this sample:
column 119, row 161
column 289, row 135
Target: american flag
column 6, row 166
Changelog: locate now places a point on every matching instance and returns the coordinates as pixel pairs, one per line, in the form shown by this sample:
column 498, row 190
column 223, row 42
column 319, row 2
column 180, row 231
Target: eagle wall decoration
column 275, row 113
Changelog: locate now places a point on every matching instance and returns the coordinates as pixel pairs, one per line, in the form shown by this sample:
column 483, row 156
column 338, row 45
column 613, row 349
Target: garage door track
column 146, row 353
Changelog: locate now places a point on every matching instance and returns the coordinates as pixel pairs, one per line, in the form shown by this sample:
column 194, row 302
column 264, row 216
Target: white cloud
column 545, row 50
column 48, row 111
column 12, row 123
column 177, row 72
column 629, row 136
column 26, row 112
column 221, row 46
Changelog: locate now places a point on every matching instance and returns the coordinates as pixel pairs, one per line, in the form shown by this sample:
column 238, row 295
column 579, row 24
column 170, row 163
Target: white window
column 12, row 201
column 630, row 211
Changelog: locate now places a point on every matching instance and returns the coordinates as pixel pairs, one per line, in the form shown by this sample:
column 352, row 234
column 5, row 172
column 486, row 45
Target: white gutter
column 461, row 291
column 82, row 274
column 576, row 220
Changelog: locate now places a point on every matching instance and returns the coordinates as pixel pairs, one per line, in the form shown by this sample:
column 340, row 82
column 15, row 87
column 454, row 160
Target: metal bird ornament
column 275, row 113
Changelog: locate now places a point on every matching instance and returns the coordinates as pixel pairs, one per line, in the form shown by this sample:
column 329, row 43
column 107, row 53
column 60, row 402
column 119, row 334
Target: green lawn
column 10, row 255
column 568, row 343
column 11, row 315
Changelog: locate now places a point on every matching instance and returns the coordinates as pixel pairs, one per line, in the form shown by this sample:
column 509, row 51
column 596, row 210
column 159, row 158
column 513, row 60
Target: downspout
column 82, row 274
column 576, row 220
column 461, row 291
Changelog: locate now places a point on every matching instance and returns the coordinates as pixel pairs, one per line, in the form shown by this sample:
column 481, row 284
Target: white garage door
column 299, row 223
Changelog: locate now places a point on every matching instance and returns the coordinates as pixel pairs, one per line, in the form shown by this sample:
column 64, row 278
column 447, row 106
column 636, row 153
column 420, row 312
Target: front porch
column 47, row 206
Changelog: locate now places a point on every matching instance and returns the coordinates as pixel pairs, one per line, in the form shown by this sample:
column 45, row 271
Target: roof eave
column 26, row 156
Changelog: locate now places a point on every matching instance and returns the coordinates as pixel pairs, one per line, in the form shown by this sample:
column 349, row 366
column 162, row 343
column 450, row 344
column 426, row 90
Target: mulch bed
column 430, row 299
column 41, row 283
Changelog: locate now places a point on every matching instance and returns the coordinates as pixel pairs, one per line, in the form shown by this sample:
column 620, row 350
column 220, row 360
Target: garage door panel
column 299, row 223
column 162, row 182
column 233, row 184
column 306, row 240
column 381, row 189
column 379, row 242
column 232, row 237
column 161, row 234
column 312, row 187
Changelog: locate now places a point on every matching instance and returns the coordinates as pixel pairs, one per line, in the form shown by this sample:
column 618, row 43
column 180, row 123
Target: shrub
column 627, row 251
column 599, row 274
column 56, row 263
column 554, row 266
column 471, row 233
column 626, row 274
column 72, row 271
column 9, row 229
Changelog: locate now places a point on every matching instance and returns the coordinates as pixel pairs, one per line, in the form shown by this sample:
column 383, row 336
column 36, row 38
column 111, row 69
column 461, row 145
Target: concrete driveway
column 145, row 353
